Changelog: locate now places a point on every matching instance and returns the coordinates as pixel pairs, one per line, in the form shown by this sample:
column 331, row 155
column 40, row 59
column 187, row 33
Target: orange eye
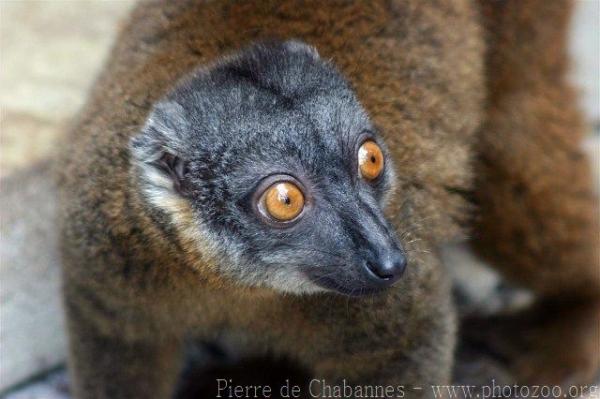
column 370, row 160
column 283, row 201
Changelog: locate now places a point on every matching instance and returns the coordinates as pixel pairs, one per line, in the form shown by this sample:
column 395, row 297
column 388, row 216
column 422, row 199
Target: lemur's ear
column 158, row 150
column 297, row 46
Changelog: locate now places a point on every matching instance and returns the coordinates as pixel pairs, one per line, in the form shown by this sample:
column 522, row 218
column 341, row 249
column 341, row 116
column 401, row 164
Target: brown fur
column 531, row 165
column 419, row 70
column 538, row 219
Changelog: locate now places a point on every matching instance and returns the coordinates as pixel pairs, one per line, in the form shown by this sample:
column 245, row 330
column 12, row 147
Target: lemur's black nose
column 387, row 267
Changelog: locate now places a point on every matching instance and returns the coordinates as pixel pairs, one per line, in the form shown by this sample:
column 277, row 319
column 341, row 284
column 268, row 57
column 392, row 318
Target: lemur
column 280, row 175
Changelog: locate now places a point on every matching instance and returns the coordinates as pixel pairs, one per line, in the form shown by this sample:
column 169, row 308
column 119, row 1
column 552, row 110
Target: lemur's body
column 147, row 262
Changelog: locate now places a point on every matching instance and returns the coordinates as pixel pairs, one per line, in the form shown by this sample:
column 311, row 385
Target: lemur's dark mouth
column 357, row 290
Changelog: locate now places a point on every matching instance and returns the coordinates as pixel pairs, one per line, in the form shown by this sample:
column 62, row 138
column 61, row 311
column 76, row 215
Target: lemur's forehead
column 243, row 113
column 324, row 126
column 278, row 100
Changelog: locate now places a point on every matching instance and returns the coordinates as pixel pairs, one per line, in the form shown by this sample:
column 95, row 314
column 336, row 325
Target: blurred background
column 50, row 53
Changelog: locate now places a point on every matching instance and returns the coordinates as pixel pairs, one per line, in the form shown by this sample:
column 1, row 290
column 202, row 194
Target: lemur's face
column 281, row 169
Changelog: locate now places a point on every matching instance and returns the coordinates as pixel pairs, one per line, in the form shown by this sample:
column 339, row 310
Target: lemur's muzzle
column 378, row 259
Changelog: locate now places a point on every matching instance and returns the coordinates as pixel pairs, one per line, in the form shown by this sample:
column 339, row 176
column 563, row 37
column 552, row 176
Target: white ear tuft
column 157, row 153
column 163, row 132
column 298, row 46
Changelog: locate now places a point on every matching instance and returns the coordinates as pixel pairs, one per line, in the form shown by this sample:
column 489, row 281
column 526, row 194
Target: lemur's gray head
column 280, row 171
